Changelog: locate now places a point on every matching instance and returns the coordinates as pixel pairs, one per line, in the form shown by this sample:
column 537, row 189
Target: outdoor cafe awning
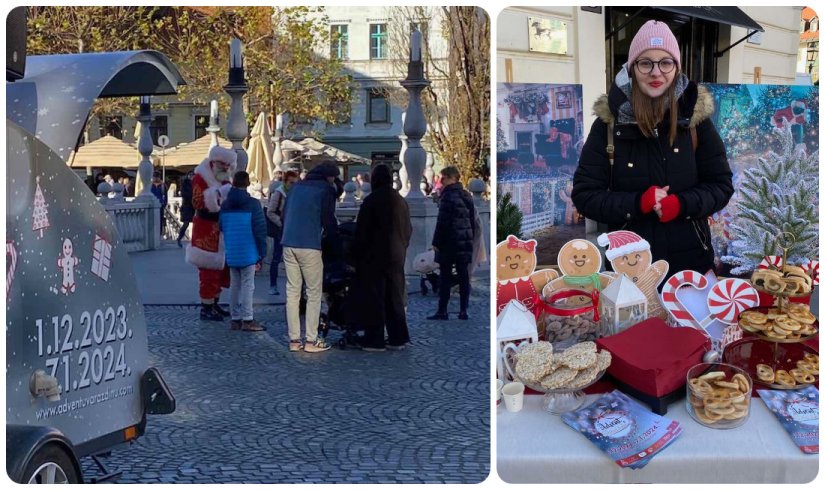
column 337, row 154
column 733, row 16
column 106, row 152
column 191, row 154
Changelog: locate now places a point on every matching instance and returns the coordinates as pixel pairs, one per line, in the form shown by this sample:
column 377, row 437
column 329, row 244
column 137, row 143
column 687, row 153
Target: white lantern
column 514, row 325
column 622, row 305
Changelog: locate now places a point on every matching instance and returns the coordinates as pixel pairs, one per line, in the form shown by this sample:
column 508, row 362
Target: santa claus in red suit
column 211, row 182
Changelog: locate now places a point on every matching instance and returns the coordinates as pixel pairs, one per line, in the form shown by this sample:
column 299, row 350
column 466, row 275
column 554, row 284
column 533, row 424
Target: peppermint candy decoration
column 770, row 262
column 671, row 302
column 811, row 267
column 730, row 297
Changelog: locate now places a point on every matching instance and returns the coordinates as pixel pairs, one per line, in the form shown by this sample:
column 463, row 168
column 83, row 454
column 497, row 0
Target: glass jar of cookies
column 718, row 395
column 570, row 316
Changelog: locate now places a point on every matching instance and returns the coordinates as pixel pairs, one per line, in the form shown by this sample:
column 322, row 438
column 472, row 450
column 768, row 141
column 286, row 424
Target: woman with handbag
column 274, row 213
column 653, row 162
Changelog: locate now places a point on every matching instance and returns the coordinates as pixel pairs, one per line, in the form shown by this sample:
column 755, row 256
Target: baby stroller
column 339, row 274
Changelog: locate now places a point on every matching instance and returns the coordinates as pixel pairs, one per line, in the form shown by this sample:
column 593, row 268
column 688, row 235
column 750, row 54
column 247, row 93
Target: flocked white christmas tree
column 779, row 195
column 40, row 215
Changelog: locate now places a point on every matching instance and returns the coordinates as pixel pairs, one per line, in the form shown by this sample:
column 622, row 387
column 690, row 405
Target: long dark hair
column 650, row 111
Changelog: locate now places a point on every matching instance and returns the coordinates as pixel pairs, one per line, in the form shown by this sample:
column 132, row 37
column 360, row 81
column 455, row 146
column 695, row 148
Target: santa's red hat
column 622, row 243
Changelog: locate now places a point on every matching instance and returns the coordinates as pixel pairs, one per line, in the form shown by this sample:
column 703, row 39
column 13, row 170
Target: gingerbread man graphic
column 67, row 262
column 580, row 263
column 517, row 275
column 630, row 254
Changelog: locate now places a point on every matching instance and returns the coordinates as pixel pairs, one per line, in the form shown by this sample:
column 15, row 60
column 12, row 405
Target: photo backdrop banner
column 539, row 135
column 771, row 134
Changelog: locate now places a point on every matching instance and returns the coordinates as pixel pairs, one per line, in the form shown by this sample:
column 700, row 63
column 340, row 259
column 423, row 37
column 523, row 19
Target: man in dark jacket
column 187, row 210
column 453, row 241
column 244, row 233
column 382, row 235
column 309, row 214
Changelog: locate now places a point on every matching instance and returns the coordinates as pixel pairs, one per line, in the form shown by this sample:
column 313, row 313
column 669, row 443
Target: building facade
column 367, row 40
column 808, row 59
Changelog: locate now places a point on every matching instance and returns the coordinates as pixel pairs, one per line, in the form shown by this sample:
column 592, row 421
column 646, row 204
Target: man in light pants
column 308, row 215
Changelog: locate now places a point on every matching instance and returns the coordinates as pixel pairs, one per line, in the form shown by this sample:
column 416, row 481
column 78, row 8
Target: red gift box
column 653, row 357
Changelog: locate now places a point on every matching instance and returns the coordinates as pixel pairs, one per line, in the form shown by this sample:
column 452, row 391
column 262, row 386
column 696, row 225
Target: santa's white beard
column 223, row 176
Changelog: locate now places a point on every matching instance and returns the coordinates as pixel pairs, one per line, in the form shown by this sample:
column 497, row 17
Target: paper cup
column 499, row 386
column 513, row 394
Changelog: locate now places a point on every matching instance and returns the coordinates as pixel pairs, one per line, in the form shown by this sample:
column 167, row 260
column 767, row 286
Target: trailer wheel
column 51, row 464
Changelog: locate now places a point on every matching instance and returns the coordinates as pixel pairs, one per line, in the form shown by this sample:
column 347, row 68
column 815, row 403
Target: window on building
column 114, row 126
column 201, row 123
column 378, row 108
column 159, row 126
column 378, row 41
column 339, row 41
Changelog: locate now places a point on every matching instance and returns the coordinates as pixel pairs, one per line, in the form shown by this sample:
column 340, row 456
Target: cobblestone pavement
column 249, row 411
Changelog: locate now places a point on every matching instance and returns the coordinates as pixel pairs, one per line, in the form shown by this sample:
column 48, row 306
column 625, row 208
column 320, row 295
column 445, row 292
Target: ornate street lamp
column 414, row 158
column 145, row 147
column 236, row 127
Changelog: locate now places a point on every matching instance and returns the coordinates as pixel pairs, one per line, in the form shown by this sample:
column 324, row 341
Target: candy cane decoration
column 730, row 297
column 11, row 256
column 771, row 262
column 674, row 306
column 811, row 267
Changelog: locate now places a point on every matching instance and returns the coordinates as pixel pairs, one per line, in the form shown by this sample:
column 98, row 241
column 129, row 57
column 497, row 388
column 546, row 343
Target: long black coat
column 382, row 230
column 701, row 179
column 187, row 211
column 454, row 229
column 382, row 235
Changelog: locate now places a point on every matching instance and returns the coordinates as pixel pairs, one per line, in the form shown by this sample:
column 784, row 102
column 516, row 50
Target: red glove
column 671, row 207
column 648, row 199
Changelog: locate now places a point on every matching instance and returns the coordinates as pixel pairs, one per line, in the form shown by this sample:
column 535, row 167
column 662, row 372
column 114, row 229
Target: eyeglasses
column 666, row 65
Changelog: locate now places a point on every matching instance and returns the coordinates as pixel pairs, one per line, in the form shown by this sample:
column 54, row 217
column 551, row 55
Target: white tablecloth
column 535, row 446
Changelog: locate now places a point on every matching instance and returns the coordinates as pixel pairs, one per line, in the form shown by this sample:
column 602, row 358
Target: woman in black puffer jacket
column 453, row 241
column 670, row 170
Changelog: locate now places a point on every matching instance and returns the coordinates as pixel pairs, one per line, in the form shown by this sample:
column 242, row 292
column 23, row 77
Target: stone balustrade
column 137, row 221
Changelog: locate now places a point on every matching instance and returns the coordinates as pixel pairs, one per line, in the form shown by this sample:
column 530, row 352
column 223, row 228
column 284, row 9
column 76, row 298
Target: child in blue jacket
column 244, row 233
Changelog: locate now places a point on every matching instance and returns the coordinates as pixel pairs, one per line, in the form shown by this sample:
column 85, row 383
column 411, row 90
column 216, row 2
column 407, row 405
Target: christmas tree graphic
column 40, row 216
column 779, row 195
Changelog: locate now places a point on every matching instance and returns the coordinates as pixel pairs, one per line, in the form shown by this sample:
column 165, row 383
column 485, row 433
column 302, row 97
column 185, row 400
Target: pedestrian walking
column 187, row 211
column 244, row 233
column 159, row 191
column 455, row 232
column 274, row 213
column 204, row 250
column 382, row 235
column 309, row 214
column 653, row 162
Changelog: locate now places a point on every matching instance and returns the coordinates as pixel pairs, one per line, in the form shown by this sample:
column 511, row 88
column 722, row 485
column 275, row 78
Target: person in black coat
column 453, row 241
column 670, row 170
column 187, row 211
column 382, row 235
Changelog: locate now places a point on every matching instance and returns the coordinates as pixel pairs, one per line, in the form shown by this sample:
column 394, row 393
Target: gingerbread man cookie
column 630, row 254
column 517, row 275
column 580, row 263
column 67, row 263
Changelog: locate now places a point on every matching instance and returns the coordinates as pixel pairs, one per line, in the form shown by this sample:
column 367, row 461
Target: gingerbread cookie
column 630, row 254
column 517, row 277
column 580, row 263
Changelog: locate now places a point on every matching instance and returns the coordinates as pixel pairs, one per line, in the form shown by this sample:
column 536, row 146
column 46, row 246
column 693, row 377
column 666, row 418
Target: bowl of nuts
column 718, row 395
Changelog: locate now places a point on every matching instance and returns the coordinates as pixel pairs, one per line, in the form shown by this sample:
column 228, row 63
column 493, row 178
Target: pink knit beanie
column 654, row 35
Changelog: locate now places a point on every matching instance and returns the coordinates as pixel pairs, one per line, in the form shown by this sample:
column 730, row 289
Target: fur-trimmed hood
column 702, row 108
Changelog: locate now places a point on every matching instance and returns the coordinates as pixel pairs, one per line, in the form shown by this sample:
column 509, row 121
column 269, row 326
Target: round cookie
column 585, row 377
column 535, row 361
column 559, row 378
